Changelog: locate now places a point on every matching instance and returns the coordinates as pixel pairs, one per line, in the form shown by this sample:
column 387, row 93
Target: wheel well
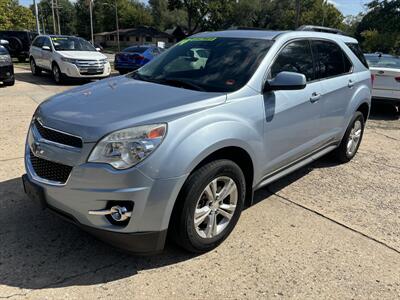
column 241, row 158
column 364, row 109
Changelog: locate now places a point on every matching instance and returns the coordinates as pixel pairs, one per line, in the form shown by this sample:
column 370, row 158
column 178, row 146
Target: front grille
column 91, row 67
column 58, row 137
column 49, row 170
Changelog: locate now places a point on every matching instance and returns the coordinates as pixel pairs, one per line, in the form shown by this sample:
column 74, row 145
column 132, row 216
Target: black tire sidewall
column 193, row 189
column 343, row 147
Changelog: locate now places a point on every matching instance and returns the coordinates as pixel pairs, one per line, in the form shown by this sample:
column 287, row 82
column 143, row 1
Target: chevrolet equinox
column 180, row 145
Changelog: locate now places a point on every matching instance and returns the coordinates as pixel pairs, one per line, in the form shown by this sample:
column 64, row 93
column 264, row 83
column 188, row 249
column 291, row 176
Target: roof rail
column 320, row 29
column 246, row 28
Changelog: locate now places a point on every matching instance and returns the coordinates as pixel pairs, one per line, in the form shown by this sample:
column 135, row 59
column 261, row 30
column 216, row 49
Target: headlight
column 69, row 60
column 125, row 148
column 5, row 60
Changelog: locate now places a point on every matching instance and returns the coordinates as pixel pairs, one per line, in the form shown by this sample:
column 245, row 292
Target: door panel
column 291, row 125
column 338, row 83
column 292, row 117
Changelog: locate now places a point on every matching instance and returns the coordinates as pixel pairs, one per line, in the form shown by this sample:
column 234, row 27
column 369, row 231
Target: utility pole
column 58, row 17
column 298, row 4
column 37, row 17
column 116, row 20
column 54, row 18
column 91, row 20
column 324, row 7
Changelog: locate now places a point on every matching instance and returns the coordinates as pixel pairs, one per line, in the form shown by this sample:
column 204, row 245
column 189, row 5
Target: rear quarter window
column 356, row 49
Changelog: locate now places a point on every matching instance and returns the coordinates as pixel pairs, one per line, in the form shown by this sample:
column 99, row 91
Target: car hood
column 82, row 54
column 94, row 110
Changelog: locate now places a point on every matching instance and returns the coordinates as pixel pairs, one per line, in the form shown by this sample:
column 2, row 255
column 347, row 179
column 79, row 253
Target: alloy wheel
column 354, row 138
column 215, row 207
column 56, row 74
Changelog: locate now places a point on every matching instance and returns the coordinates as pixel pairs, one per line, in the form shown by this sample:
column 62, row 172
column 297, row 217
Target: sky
column 347, row 7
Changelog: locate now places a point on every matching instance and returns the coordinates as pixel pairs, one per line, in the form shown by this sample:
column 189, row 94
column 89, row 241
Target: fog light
column 117, row 213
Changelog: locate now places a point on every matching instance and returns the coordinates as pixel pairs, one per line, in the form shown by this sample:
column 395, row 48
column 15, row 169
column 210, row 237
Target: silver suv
column 179, row 146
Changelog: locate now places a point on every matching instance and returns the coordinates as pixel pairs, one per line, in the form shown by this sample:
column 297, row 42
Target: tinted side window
column 46, row 42
column 38, row 42
column 330, row 59
column 358, row 52
column 295, row 57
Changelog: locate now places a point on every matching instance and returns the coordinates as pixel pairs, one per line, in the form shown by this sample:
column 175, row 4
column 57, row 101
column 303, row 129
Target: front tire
column 57, row 75
column 209, row 206
column 9, row 83
column 351, row 140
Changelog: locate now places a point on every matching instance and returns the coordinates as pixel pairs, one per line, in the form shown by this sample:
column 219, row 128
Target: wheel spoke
column 209, row 193
column 228, row 189
column 214, row 187
column 201, row 214
column 225, row 214
column 230, row 208
column 349, row 144
column 211, row 225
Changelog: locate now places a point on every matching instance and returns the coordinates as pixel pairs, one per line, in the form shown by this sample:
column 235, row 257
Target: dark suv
column 19, row 43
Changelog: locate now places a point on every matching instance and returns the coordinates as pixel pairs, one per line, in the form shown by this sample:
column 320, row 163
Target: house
column 177, row 32
column 134, row 36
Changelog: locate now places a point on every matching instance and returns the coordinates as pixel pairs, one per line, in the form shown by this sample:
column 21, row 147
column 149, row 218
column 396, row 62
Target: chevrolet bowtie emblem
column 37, row 149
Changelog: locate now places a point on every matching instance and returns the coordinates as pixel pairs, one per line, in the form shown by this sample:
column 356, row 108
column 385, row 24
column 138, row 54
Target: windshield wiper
column 182, row 83
column 169, row 81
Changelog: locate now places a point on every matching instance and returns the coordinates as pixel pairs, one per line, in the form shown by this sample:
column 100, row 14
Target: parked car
column 6, row 65
column 135, row 57
column 155, row 151
column 67, row 57
column 19, row 42
column 386, row 70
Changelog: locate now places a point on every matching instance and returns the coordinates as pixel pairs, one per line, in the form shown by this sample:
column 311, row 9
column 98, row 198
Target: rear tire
column 209, row 206
column 352, row 139
column 36, row 71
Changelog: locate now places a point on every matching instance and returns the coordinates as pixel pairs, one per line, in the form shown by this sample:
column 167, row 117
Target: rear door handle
column 315, row 97
column 350, row 84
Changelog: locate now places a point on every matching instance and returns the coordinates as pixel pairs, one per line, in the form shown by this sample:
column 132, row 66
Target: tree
column 15, row 17
column 66, row 12
column 165, row 18
column 379, row 29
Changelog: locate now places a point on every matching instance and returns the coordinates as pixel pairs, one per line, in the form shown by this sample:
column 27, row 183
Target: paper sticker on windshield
column 59, row 38
column 197, row 39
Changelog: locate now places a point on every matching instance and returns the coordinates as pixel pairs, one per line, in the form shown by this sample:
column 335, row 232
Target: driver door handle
column 350, row 84
column 315, row 97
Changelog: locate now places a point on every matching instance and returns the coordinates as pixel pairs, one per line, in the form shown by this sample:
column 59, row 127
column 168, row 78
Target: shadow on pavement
column 384, row 111
column 43, row 79
column 39, row 250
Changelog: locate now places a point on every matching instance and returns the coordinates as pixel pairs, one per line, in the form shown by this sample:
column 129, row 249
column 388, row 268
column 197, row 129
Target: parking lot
column 326, row 231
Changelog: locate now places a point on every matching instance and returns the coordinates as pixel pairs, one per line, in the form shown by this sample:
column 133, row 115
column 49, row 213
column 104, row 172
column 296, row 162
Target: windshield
column 70, row 43
column 207, row 64
column 3, row 50
column 383, row 61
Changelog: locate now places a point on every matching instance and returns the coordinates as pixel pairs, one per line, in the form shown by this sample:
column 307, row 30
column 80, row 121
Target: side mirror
column 47, row 48
column 286, row 81
column 4, row 42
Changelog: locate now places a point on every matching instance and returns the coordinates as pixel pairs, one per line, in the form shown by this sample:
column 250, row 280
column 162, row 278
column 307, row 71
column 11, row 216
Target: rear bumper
column 125, row 66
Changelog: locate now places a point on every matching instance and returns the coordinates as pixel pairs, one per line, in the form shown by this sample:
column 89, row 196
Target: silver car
column 179, row 146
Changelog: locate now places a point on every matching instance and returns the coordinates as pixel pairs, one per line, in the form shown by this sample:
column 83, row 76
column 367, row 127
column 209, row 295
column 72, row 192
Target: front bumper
column 71, row 70
column 7, row 73
column 92, row 186
column 136, row 243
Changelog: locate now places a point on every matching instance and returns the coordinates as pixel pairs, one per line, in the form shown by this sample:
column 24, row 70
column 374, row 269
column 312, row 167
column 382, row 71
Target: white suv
column 67, row 56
